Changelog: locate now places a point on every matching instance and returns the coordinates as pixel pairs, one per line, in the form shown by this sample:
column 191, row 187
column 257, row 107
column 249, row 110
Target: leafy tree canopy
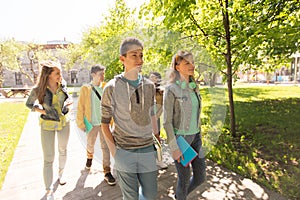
column 258, row 29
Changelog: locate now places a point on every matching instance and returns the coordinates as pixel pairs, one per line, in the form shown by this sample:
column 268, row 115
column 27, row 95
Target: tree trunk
column 229, row 66
column 231, row 104
column 212, row 79
column 1, row 75
column 296, row 65
column 26, row 74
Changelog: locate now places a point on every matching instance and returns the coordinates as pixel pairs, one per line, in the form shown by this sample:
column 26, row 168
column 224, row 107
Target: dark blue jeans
column 186, row 183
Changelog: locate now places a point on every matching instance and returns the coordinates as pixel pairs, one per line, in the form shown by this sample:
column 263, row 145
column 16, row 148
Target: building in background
column 76, row 76
column 285, row 74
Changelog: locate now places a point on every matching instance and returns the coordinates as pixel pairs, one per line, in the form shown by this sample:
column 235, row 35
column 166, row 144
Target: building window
column 74, row 77
column 18, row 78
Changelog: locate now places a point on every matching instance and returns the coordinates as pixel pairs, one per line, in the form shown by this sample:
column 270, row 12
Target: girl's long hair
column 47, row 67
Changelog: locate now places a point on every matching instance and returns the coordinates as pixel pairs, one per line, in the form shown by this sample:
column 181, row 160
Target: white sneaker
column 161, row 164
column 50, row 196
column 61, row 178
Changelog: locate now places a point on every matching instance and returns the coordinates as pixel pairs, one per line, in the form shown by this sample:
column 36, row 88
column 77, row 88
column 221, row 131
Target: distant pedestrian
column 129, row 100
column 50, row 98
column 89, row 110
column 155, row 77
column 182, row 107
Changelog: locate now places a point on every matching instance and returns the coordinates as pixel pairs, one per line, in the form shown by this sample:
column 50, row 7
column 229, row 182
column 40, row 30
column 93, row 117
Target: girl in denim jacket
column 182, row 107
column 51, row 99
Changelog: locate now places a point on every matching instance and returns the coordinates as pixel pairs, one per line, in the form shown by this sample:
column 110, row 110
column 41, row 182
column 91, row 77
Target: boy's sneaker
column 88, row 163
column 61, row 178
column 50, row 196
column 108, row 177
column 161, row 164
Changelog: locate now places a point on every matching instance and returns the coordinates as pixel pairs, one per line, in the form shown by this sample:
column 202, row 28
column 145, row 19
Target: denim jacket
column 51, row 112
column 177, row 108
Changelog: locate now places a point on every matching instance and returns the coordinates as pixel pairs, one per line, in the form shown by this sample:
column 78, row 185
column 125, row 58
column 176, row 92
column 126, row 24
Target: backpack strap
column 96, row 92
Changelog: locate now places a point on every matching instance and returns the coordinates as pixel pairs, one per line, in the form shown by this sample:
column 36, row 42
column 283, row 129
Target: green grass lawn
column 13, row 117
column 267, row 148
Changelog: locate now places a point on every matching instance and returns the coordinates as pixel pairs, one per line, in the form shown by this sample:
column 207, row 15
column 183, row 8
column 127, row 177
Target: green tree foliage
column 10, row 53
column 101, row 44
column 14, row 55
column 70, row 55
column 275, row 26
column 33, row 54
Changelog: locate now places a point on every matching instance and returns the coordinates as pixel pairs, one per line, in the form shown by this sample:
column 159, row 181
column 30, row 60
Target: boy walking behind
column 155, row 77
column 129, row 100
column 89, row 109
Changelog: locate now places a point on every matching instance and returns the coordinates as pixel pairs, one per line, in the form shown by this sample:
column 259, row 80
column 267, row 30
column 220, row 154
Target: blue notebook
column 189, row 154
column 88, row 125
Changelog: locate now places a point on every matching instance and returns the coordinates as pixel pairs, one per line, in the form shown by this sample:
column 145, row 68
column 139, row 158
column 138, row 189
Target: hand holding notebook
column 88, row 125
column 189, row 154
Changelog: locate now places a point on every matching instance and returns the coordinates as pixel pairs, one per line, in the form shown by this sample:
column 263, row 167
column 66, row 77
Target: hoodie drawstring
column 143, row 98
column 137, row 96
column 128, row 94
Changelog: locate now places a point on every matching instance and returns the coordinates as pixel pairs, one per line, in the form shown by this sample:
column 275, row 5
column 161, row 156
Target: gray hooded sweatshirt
column 131, row 109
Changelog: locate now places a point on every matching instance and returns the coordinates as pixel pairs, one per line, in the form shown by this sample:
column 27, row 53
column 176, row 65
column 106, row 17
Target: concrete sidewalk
column 24, row 179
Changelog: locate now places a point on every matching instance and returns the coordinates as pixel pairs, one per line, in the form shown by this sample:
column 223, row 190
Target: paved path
column 24, row 178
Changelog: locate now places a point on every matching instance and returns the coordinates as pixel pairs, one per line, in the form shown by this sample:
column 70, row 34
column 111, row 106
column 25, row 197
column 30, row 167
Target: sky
column 40, row 21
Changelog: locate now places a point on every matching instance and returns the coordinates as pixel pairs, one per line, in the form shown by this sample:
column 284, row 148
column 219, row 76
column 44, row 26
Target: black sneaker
column 88, row 163
column 108, row 177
